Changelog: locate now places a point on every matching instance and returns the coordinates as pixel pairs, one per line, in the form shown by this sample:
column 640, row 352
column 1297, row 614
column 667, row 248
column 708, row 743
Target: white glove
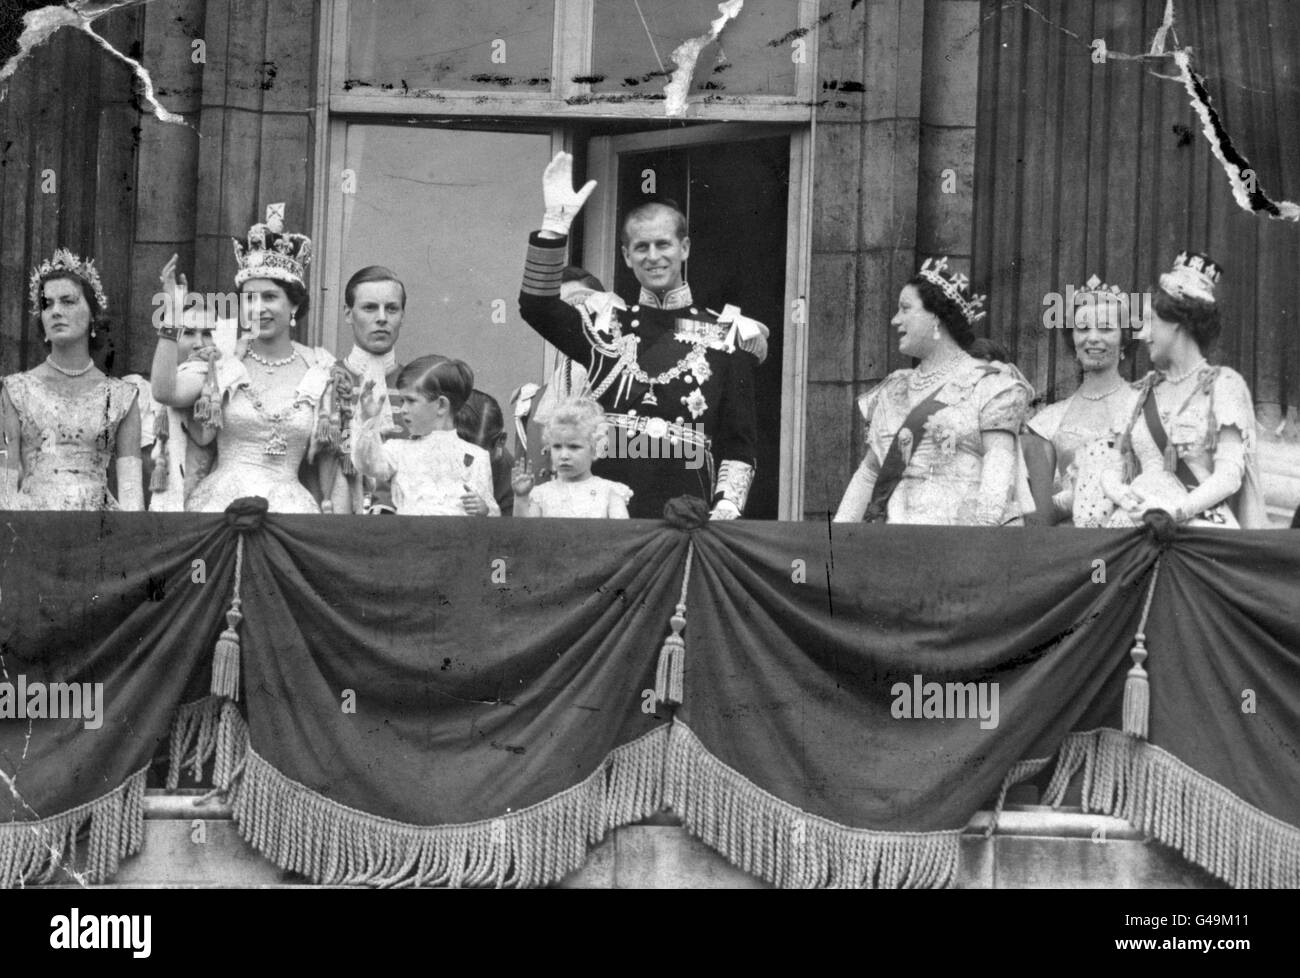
column 562, row 201
column 130, row 484
column 725, row 509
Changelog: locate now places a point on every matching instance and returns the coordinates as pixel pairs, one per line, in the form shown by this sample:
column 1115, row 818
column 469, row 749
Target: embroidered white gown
column 67, row 441
column 243, row 467
column 1193, row 427
column 1083, row 449
column 941, row 482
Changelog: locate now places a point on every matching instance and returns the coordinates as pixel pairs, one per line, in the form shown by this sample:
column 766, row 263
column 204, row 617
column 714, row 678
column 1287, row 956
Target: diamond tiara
column 65, row 261
column 953, row 284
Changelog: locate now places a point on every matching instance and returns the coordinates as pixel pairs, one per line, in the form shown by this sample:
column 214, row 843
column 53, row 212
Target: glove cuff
column 734, row 480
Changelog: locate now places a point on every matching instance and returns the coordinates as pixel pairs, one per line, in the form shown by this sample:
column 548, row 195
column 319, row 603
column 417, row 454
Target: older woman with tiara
column 271, row 405
column 1190, row 441
column 1100, row 407
column 64, row 420
column 942, row 439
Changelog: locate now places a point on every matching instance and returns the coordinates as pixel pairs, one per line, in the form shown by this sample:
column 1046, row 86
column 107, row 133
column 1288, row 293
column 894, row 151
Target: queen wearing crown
column 271, row 405
column 64, row 420
column 942, row 439
column 1190, row 441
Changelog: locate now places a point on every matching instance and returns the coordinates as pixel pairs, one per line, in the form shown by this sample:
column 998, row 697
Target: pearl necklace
column 1102, row 397
column 272, row 364
column 921, row 379
column 1179, row 378
column 70, row 373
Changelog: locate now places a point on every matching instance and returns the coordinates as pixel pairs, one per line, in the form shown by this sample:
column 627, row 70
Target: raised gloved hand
column 562, row 201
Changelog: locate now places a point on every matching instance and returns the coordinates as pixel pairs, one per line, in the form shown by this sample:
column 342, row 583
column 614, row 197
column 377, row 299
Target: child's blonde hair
column 582, row 413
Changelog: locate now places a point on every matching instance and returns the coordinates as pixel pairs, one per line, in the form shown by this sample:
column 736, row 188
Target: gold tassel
column 162, row 463
column 1137, row 687
column 225, row 658
column 670, row 677
column 159, row 479
column 207, row 409
column 1137, row 692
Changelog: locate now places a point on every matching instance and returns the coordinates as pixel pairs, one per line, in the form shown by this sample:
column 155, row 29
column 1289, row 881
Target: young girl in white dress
column 571, row 435
column 434, row 472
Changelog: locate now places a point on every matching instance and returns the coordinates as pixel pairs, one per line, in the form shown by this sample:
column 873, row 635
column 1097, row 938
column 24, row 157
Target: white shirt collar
column 371, row 365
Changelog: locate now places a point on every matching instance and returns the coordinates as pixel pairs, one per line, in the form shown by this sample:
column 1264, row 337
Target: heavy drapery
column 470, row 702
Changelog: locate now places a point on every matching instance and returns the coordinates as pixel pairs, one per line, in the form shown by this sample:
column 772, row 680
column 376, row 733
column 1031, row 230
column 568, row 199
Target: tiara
column 1100, row 290
column 65, row 261
column 953, row 284
column 270, row 253
column 1193, row 277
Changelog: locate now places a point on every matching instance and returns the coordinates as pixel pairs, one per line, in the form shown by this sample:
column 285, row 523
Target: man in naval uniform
column 374, row 303
column 676, row 380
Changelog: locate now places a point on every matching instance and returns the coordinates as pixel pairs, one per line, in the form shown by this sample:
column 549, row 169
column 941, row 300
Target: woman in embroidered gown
column 942, row 439
column 64, row 420
column 1098, row 410
column 269, row 406
column 1192, row 432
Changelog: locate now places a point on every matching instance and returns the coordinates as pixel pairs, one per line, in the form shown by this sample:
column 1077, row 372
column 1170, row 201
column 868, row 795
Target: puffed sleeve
column 1004, row 402
column 870, row 406
column 1234, row 408
column 540, row 499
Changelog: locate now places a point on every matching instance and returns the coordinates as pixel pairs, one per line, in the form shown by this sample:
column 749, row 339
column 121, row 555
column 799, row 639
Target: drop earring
column 936, row 334
column 293, row 320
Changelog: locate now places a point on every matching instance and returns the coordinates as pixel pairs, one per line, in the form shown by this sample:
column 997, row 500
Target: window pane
column 635, row 39
column 505, row 44
column 450, row 213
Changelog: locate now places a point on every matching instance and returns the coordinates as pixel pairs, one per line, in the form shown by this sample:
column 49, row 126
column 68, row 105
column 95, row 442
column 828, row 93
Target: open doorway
column 734, row 185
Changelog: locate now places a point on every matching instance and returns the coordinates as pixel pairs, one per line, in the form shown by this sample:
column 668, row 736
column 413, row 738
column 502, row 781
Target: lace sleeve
column 369, row 453
column 481, row 481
